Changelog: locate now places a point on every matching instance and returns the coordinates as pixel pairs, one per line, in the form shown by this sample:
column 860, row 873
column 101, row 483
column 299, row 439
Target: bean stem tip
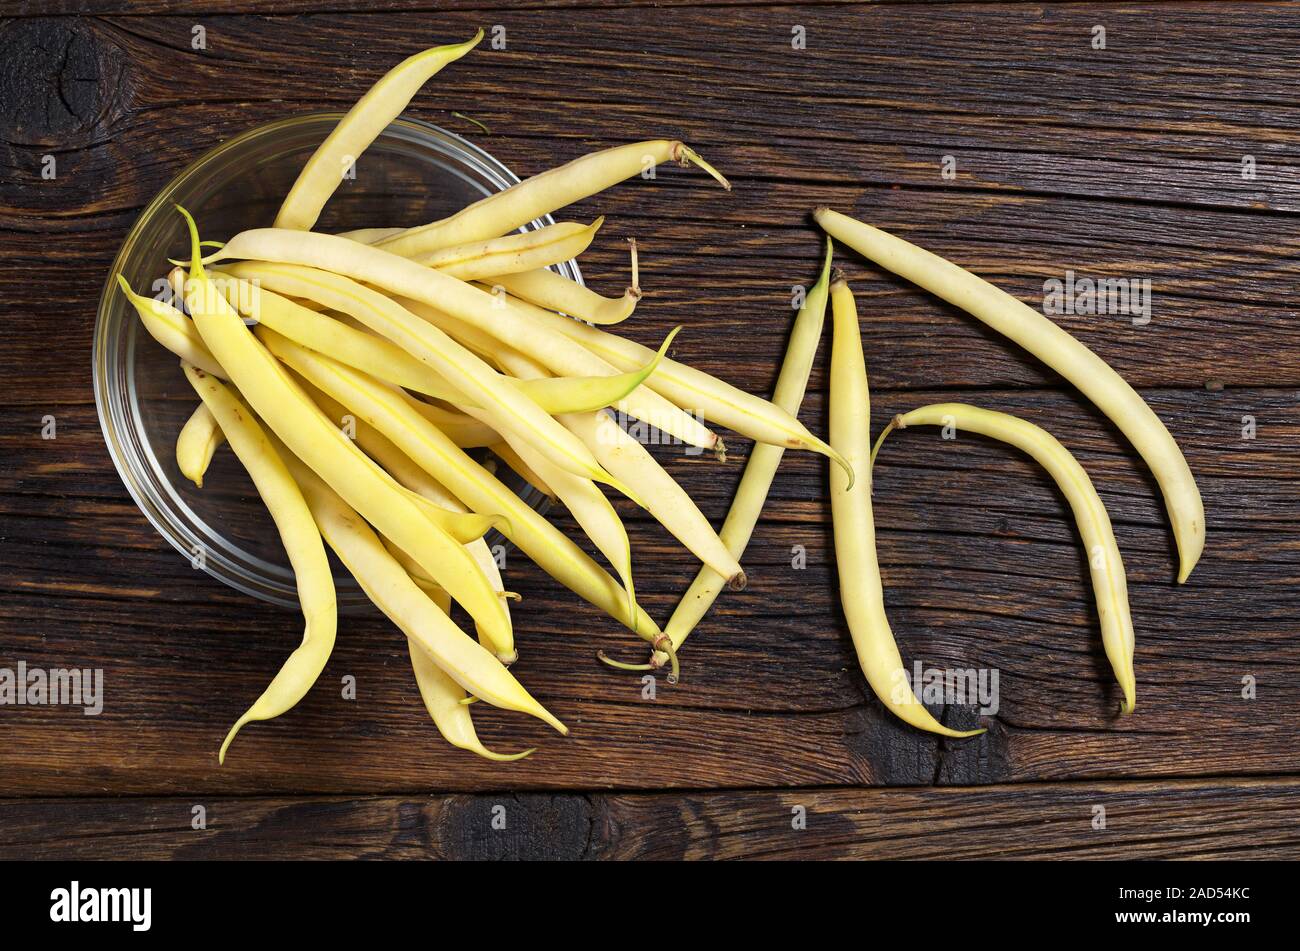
column 687, row 155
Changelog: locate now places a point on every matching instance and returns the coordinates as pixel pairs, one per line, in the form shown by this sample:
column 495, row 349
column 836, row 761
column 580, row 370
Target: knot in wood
column 55, row 75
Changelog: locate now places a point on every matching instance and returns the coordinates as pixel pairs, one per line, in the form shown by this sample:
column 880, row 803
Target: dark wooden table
column 1169, row 155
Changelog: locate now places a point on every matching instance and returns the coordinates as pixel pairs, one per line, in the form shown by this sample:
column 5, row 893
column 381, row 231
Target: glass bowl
column 414, row 172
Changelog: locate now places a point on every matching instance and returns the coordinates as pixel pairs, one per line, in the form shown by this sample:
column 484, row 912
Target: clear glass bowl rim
column 117, row 416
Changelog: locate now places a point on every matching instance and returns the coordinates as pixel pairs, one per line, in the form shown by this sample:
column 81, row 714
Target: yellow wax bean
column 1104, row 562
column 387, row 584
column 418, row 574
column 556, row 394
column 693, row 389
column 289, row 412
column 520, row 251
column 482, row 554
column 464, row 431
column 370, row 235
column 379, row 357
column 365, row 351
column 542, row 194
column 199, row 439
column 342, row 260
column 861, row 592
column 445, row 699
column 1060, row 351
column 522, row 469
column 464, row 527
column 486, row 559
column 761, row 467
column 656, row 491
column 173, row 330
column 371, row 114
column 200, row 436
column 389, row 413
column 430, row 587
column 410, row 476
column 176, row 280
column 591, row 510
column 563, row 355
column 514, row 323
column 488, row 345
column 302, row 543
column 552, row 291
column 380, row 448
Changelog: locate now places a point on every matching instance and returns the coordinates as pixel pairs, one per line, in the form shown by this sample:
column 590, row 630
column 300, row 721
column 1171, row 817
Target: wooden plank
column 1018, row 213
column 743, row 293
column 982, row 571
column 739, row 283
column 890, row 112
column 1211, row 819
column 1116, row 163
column 275, row 8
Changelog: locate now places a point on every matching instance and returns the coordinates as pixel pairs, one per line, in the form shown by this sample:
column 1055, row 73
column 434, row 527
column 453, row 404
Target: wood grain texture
column 1125, row 162
column 1210, row 819
column 48, row 8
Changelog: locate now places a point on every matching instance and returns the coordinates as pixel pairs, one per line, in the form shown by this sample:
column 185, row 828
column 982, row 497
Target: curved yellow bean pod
column 557, row 394
column 1104, row 562
column 366, row 351
column 385, row 360
column 520, row 251
column 694, row 389
column 410, row 476
column 393, row 592
column 552, row 291
column 490, row 346
column 173, row 330
column 516, row 324
column 375, row 355
column 370, row 235
column 761, row 467
column 1092, row 375
column 542, row 194
column 464, row 527
column 591, row 510
column 439, row 504
column 371, row 114
column 606, row 386
column 482, row 554
column 334, row 286
column 302, row 543
column 512, row 459
column 861, row 593
column 389, row 413
column 198, row 440
column 465, row 431
column 432, row 588
column 291, row 415
column 418, row 574
column 380, row 448
column 657, row 491
column 445, row 699
column 446, row 702
column 176, row 280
